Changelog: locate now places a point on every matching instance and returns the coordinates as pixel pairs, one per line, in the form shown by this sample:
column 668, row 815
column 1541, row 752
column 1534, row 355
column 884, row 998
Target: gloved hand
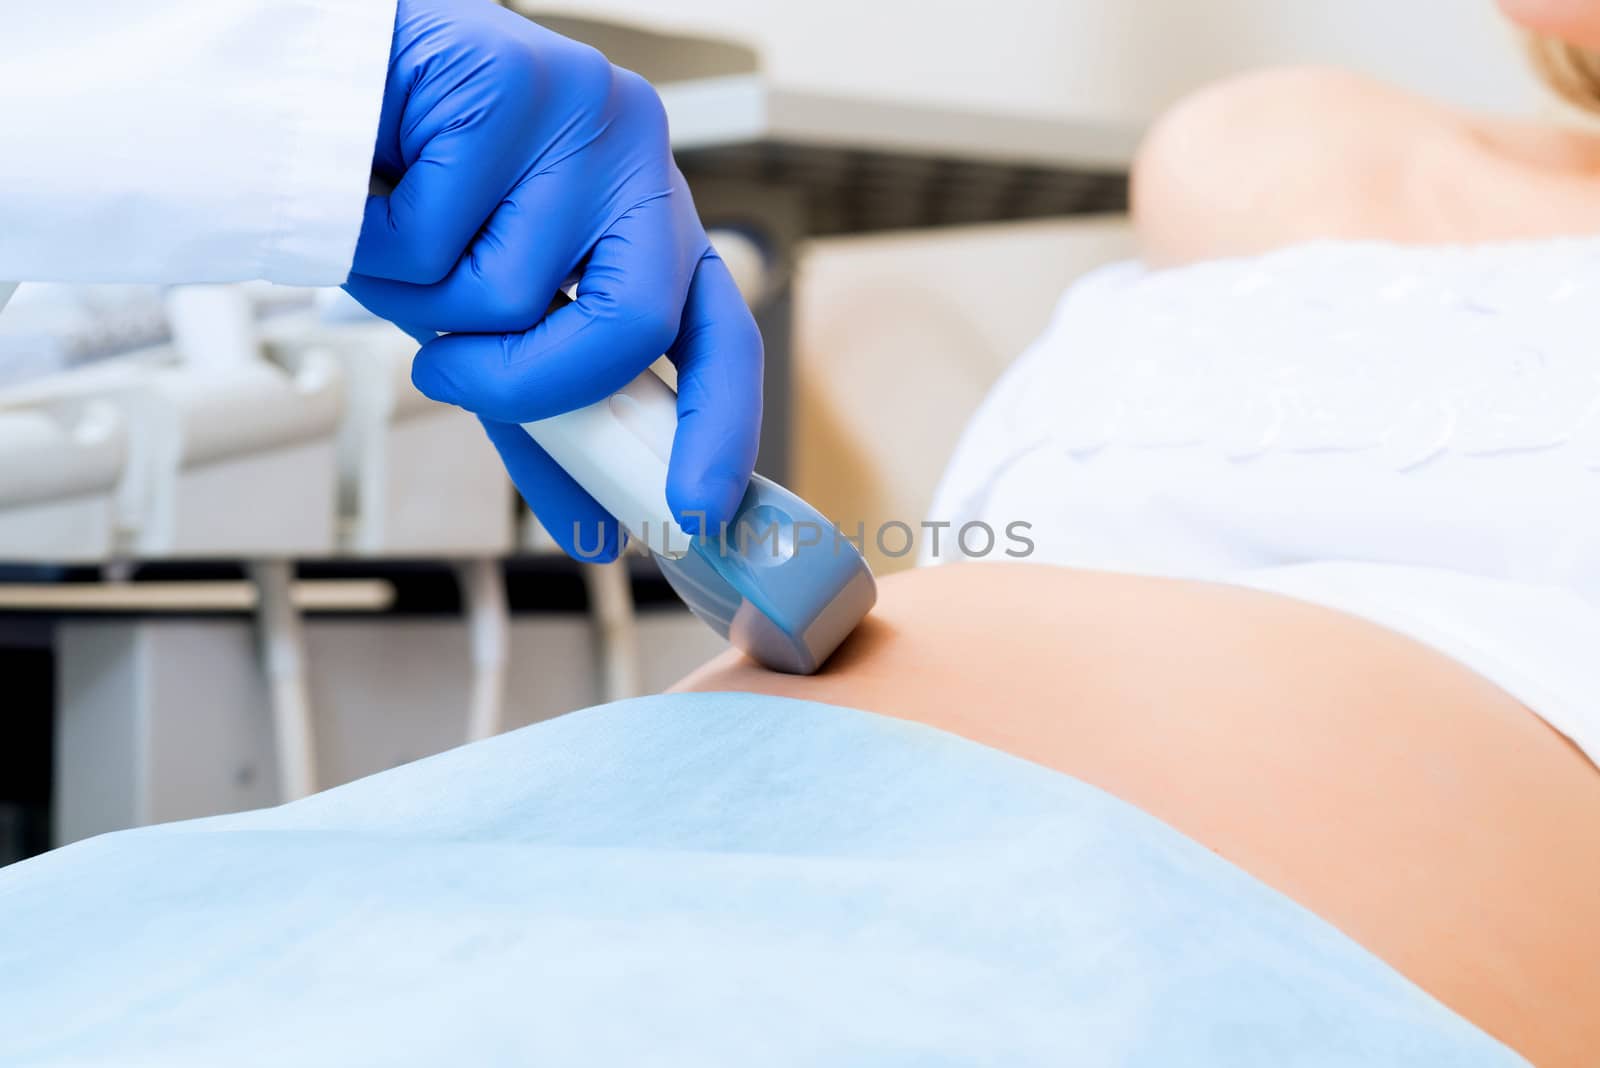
column 519, row 160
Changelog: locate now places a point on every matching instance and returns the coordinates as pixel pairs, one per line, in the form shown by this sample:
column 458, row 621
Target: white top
column 1409, row 434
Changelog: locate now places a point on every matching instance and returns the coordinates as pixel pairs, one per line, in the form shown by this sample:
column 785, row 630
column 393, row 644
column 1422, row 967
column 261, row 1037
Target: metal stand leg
column 483, row 592
column 616, row 628
column 283, row 661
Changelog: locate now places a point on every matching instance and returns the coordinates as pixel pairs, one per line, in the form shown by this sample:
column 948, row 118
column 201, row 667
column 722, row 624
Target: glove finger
column 629, row 305
column 583, row 529
column 459, row 164
column 509, row 274
column 718, row 354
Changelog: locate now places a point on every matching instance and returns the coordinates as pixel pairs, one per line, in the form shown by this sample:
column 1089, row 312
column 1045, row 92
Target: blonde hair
column 1572, row 72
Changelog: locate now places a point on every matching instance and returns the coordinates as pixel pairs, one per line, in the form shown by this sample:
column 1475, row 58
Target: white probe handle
column 618, row 449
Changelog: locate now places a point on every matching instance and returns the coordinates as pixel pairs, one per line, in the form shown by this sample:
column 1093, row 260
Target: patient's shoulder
column 1275, row 157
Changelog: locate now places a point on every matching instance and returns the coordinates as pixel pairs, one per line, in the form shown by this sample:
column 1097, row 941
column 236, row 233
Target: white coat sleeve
column 187, row 140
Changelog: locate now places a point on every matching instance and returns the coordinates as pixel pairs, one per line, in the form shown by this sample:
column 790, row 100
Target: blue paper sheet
column 691, row 880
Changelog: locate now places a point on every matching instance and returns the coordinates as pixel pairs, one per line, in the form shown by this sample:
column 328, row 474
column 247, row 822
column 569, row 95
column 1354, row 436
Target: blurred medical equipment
column 208, row 448
column 164, row 714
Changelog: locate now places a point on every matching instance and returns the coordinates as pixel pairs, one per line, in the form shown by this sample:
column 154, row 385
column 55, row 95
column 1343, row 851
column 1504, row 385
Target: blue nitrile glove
column 518, row 160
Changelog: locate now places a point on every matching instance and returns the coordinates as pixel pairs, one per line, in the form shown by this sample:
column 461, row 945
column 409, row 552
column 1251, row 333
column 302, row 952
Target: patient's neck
column 1521, row 180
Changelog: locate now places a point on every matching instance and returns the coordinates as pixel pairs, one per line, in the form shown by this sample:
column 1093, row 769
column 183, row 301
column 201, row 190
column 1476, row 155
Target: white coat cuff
column 335, row 94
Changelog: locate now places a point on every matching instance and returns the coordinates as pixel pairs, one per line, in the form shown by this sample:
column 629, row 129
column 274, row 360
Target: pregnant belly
column 1378, row 783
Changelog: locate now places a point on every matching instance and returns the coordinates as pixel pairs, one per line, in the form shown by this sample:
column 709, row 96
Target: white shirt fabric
column 187, row 140
column 1411, row 435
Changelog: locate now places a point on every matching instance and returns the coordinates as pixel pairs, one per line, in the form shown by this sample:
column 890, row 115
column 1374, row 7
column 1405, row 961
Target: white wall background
column 1123, row 59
